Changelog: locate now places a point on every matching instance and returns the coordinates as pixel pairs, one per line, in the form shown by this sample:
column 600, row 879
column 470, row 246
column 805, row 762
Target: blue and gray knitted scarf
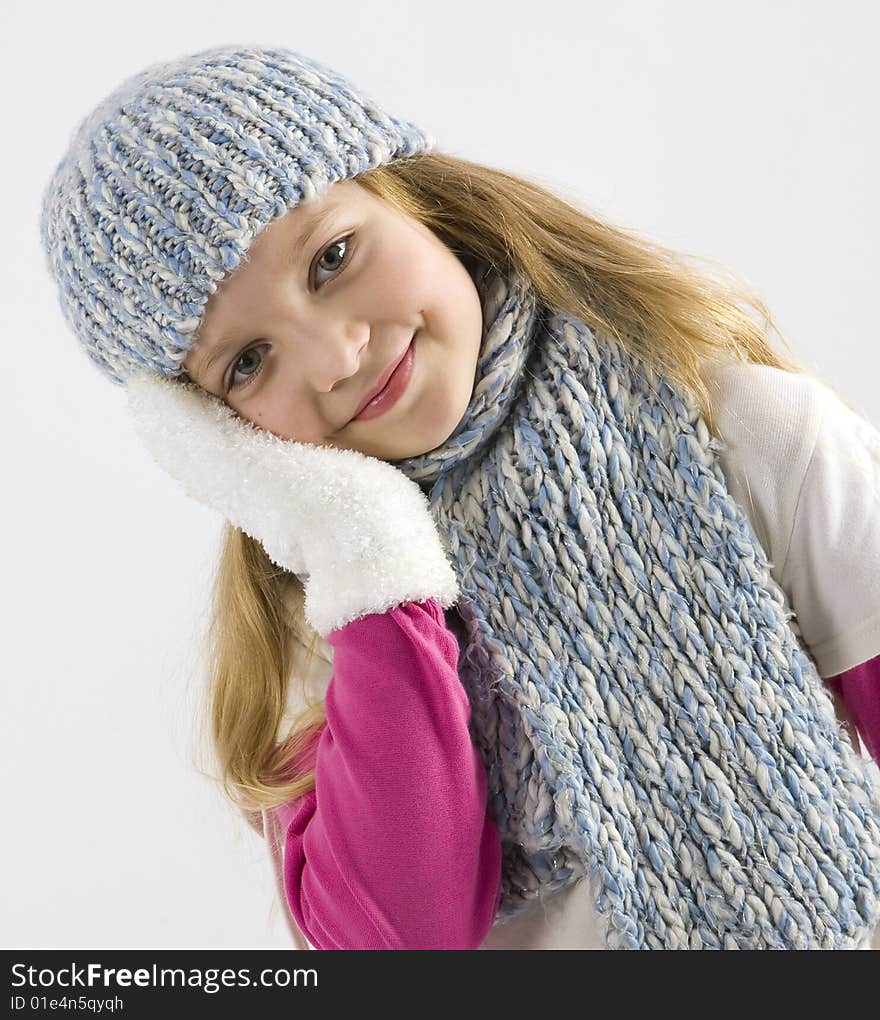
column 640, row 697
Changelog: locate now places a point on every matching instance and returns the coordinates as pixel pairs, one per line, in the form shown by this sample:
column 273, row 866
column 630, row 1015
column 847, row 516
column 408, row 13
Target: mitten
column 357, row 531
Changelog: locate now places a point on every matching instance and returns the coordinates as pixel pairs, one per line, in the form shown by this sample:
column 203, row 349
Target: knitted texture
column 640, row 697
column 169, row 179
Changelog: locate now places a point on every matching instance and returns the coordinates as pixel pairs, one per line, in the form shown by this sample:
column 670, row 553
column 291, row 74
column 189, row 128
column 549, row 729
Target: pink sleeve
column 394, row 849
column 860, row 689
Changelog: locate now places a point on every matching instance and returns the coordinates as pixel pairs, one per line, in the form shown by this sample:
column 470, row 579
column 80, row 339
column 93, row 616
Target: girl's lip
column 393, row 389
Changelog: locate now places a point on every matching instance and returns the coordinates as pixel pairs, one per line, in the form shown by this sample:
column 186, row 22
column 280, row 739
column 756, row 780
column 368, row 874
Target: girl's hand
column 356, row 529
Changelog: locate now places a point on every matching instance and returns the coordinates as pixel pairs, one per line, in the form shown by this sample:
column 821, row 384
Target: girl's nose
column 337, row 353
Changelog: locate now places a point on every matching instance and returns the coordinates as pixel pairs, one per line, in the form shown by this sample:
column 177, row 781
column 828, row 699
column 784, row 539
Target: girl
column 559, row 533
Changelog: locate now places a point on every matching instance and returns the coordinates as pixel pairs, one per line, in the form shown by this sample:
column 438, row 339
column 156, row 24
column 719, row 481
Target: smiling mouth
column 387, row 373
column 395, row 386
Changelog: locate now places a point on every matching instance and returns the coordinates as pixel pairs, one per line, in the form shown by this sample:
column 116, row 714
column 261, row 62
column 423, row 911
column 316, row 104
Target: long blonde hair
column 643, row 294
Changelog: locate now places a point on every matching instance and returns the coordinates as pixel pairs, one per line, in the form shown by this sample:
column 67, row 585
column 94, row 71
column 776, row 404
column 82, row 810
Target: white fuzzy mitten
column 356, row 529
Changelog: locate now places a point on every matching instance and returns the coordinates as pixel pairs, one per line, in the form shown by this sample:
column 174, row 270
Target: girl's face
column 300, row 332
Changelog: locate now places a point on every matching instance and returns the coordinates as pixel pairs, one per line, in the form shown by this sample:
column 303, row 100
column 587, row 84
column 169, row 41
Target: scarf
column 639, row 695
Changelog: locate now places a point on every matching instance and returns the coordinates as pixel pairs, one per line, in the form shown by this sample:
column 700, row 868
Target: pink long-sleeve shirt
column 394, row 848
column 859, row 688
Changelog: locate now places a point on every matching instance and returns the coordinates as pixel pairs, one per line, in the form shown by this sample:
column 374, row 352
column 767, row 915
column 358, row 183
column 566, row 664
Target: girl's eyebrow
column 312, row 223
column 216, row 354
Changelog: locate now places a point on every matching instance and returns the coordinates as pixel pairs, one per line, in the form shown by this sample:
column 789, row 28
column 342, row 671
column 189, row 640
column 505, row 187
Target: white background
column 744, row 133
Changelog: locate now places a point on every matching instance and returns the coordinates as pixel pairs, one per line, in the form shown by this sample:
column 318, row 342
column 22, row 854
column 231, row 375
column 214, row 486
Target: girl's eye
column 338, row 262
column 251, row 369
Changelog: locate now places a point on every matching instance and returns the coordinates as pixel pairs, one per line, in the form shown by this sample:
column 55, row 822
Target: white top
column 806, row 470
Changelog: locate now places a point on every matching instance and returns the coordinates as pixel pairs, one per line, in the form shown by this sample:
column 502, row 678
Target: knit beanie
column 169, row 179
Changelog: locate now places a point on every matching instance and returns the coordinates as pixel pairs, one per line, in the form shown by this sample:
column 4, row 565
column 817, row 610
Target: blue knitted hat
column 171, row 177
